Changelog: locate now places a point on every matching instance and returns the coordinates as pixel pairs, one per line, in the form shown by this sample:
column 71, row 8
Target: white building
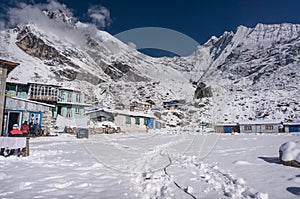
column 128, row 121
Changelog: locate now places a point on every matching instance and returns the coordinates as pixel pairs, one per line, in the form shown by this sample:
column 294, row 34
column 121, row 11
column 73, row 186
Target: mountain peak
column 61, row 16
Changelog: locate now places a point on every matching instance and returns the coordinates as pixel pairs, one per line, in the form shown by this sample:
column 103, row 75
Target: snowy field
column 167, row 164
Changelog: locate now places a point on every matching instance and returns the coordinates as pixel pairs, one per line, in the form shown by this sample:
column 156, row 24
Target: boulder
column 289, row 153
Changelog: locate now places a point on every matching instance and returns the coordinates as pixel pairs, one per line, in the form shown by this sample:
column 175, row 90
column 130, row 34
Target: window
column 145, row 121
column 247, row 128
column 269, row 127
column 49, row 93
column 69, row 112
column 137, row 121
column 77, row 109
column 69, row 97
column 53, row 91
column 78, row 97
column 43, row 90
column 128, row 120
column 61, row 97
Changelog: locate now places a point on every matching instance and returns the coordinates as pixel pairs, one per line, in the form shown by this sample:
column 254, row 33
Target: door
column 13, row 117
column 59, row 110
column 293, row 128
column 227, row 129
column 258, row 129
column 35, row 118
column 150, row 122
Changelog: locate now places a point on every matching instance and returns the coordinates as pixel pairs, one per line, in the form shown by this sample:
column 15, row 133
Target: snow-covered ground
column 176, row 163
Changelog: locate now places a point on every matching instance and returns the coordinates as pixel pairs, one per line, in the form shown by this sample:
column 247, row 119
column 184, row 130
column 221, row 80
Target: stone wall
column 46, row 122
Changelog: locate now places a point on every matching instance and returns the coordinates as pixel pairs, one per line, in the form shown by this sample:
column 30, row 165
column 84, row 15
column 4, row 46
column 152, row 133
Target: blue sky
column 199, row 19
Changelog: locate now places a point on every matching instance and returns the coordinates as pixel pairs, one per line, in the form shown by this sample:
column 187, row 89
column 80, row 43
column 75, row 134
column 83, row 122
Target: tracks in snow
column 158, row 168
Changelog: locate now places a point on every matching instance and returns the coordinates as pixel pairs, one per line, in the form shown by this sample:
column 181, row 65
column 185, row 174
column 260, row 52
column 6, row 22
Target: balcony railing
column 43, row 98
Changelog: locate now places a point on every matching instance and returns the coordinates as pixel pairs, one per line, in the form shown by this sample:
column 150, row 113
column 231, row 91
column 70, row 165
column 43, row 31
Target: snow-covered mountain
column 254, row 73
column 70, row 52
column 251, row 73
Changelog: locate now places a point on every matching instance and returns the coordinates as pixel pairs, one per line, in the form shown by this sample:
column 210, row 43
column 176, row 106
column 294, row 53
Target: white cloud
column 54, row 5
column 132, row 45
column 23, row 13
column 99, row 15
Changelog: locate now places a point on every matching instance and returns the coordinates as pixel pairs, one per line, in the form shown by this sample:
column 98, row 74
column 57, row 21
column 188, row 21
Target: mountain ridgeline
column 249, row 74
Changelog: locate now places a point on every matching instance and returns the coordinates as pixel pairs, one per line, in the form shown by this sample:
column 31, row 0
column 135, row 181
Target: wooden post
column 5, row 68
column 26, row 152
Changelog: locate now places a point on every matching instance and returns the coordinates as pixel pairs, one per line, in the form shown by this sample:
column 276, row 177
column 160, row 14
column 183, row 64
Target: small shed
column 18, row 110
column 260, row 126
column 227, row 128
column 291, row 127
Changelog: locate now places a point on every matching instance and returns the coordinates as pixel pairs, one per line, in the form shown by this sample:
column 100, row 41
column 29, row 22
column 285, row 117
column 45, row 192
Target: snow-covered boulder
column 107, row 124
column 289, row 153
column 104, row 127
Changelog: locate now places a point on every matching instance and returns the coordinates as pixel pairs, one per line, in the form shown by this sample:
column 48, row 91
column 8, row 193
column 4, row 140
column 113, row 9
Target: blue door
column 150, row 122
column 227, row 129
column 35, row 118
column 13, row 117
column 293, row 128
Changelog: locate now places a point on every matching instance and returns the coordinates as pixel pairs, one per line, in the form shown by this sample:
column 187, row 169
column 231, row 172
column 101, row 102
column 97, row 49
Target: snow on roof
column 291, row 124
column 15, row 82
column 69, row 89
column 31, row 101
column 140, row 102
column 43, row 83
column 29, row 82
column 260, row 122
column 74, row 103
column 123, row 112
column 226, row 124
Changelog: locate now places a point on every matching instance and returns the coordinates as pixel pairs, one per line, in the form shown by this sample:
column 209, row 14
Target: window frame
column 69, row 112
column 137, row 120
column 128, row 119
column 269, row 127
column 248, row 128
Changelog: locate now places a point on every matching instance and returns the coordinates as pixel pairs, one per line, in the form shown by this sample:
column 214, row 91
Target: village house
column 5, row 68
column 260, row 126
column 18, row 110
column 128, row 121
column 137, row 105
column 227, row 128
column 291, row 127
column 171, row 105
column 68, row 102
